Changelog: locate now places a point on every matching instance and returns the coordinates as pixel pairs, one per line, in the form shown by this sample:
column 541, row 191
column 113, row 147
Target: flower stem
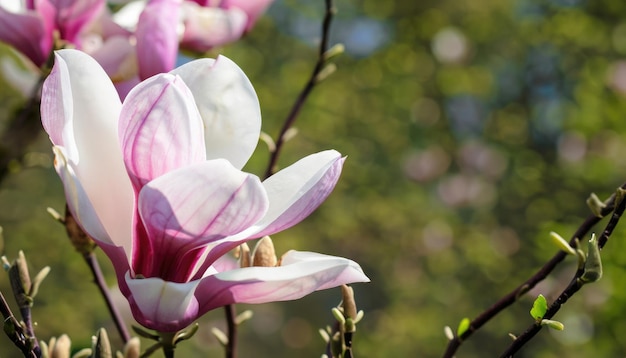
column 94, row 266
column 231, row 346
column 167, row 341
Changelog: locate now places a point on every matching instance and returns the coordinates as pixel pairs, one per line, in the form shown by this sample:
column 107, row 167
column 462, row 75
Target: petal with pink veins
column 300, row 273
column 187, row 209
column 296, row 191
column 228, row 105
column 160, row 129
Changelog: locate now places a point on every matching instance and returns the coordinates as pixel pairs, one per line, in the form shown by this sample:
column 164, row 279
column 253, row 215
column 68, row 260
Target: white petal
column 80, row 111
column 228, row 105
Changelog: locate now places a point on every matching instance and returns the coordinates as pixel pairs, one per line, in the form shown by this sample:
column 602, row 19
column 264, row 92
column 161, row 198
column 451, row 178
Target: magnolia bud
column 264, row 254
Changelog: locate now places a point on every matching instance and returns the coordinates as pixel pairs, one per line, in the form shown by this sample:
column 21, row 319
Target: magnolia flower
column 30, row 25
column 157, row 182
column 143, row 37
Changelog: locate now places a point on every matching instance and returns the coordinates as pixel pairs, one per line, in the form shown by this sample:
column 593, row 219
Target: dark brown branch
column 15, row 331
column 94, row 266
column 306, row 91
column 575, row 285
column 541, row 274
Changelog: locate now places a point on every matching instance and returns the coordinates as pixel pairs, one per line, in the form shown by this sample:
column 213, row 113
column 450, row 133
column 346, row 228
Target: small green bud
column 185, row 334
column 595, row 205
column 334, row 51
column 324, row 334
column 290, row 134
column 553, row 324
column 243, row 316
column 325, row 72
column 561, row 243
column 132, row 349
column 221, row 336
column 338, row 315
column 593, row 265
column 102, row 346
column 267, row 139
column 61, row 347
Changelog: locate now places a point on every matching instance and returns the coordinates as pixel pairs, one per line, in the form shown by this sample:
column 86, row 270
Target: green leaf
column 463, row 326
column 540, row 307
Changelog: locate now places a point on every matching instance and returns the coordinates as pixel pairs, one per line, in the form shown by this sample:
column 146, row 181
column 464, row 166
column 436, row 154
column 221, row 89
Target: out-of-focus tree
column 472, row 130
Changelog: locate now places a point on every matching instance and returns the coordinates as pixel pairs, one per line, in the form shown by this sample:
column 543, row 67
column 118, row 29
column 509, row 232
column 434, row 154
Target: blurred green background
column 472, row 130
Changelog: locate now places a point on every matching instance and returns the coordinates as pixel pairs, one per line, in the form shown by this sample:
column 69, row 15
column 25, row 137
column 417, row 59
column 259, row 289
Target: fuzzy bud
column 264, row 254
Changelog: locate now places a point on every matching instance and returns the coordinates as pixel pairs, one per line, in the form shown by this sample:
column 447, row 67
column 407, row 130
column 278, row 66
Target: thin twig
column 15, row 331
column 94, row 266
column 231, row 346
column 306, row 91
column 575, row 285
column 541, row 274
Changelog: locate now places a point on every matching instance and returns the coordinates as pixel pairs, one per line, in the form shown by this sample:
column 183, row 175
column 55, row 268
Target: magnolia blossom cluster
column 139, row 40
column 157, row 181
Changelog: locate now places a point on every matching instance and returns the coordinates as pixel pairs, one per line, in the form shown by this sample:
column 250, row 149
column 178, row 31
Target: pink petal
column 161, row 305
column 157, row 37
column 160, row 129
column 296, row 191
column 117, row 57
column 228, row 105
column 26, row 32
column 74, row 15
column 187, row 209
column 253, row 8
column 300, row 273
column 207, row 27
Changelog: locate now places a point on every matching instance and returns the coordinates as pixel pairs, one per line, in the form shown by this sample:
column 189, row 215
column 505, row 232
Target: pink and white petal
column 26, row 33
column 296, row 191
column 77, row 200
column 208, row 27
column 73, row 16
column 161, row 305
column 187, row 209
column 253, row 8
column 160, row 129
column 157, row 37
column 117, row 57
column 228, row 105
column 80, row 110
column 300, row 273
